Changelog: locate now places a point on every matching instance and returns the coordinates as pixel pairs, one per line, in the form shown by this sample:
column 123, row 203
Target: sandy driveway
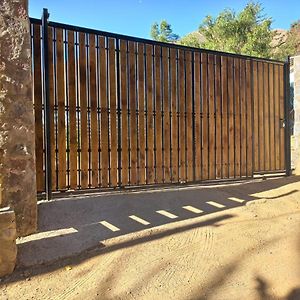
column 247, row 248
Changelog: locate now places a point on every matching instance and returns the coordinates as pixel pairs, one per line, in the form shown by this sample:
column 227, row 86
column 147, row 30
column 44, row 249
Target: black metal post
column 45, row 46
column 287, row 117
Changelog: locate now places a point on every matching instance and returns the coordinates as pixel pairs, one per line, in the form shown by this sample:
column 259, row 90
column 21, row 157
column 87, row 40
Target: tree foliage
column 247, row 32
column 163, row 32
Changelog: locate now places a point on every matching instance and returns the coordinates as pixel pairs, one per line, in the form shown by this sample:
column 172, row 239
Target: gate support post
column 296, row 151
column 17, row 129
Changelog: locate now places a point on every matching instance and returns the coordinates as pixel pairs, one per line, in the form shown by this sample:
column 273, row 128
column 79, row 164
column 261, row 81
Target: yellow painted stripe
column 167, row 214
column 236, row 199
column 215, row 204
column 138, row 219
column 193, row 209
column 109, row 226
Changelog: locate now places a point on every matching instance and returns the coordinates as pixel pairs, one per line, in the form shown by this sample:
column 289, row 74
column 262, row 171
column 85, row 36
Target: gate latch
column 282, row 123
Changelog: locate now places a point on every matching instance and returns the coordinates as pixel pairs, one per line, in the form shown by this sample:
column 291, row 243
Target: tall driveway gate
column 117, row 111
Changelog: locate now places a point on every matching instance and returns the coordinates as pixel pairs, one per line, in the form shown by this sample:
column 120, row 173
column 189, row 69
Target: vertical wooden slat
column 37, row 93
column 249, row 109
column 225, row 153
column 197, row 103
column 255, row 116
column 282, row 117
column 61, row 109
column 189, row 116
column 104, row 112
column 205, row 101
column 52, row 103
column 158, row 108
column 277, row 117
column 72, row 111
column 261, row 143
column 174, row 123
column 182, row 166
column 93, row 114
column 243, row 99
column 266, row 117
column 141, row 103
column 231, row 116
column 124, row 80
column 272, row 117
column 166, row 120
column 212, row 119
column 84, row 158
column 150, row 141
column 113, row 113
column 218, row 117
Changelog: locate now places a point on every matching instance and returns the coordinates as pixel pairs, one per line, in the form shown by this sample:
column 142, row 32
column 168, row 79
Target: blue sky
column 134, row 17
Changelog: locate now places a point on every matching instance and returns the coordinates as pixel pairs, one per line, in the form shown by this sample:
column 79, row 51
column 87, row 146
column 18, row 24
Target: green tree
column 163, row 32
column 247, row 32
column 193, row 39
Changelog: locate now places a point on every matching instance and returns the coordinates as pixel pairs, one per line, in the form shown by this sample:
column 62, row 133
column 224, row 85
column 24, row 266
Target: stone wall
column 8, row 249
column 296, row 153
column 17, row 147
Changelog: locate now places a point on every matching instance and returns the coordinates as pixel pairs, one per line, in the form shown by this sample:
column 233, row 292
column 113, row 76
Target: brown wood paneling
column 141, row 120
column 166, row 115
column 113, row 113
column 37, row 94
column 282, row 117
column 266, row 117
column 261, row 137
column 84, row 154
column 271, row 117
column 93, row 113
column 243, row 100
column 277, row 116
column 249, row 117
column 255, row 116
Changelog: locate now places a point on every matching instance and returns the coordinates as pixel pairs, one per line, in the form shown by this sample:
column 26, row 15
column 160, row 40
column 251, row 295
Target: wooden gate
column 117, row 111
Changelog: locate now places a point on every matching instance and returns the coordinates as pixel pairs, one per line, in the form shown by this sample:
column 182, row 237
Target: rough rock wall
column 17, row 144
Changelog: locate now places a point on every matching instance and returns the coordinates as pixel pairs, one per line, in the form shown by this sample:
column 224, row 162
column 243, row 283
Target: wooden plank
column 231, row 116
column 60, row 75
column 266, row 117
column 113, row 113
column 104, row 139
column 38, row 96
column 272, row 117
column 52, row 103
column 239, row 95
column 225, row 153
column 72, row 111
column 189, row 117
column 212, row 119
column 141, row 120
column 255, row 116
column 204, row 88
column 218, row 118
column 182, row 166
column 197, row 103
column 166, row 120
column 174, row 123
column 84, row 155
column 124, row 142
column 133, row 123
column 243, row 100
column 157, row 116
column 261, row 143
column 150, row 136
column 277, row 116
column 249, row 117
column 93, row 113
column 282, row 117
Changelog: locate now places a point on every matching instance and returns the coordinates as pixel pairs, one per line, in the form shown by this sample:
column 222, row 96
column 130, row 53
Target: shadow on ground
column 70, row 226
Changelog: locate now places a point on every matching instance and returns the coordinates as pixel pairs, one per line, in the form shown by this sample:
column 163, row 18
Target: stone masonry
column 17, row 147
column 297, row 113
column 8, row 249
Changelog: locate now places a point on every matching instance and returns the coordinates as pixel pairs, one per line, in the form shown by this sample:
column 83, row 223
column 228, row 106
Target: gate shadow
column 70, row 226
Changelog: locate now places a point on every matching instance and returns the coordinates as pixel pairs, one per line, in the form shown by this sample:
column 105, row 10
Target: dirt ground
column 246, row 250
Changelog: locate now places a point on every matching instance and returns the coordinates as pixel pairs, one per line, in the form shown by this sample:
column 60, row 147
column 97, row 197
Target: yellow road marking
column 215, row 204
column 166, row 214
column 135, row 218
column 109, row 226
column 193, row 209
